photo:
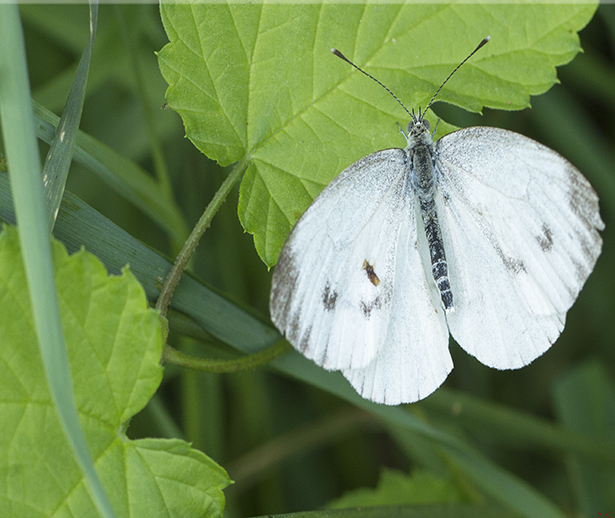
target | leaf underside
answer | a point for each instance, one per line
(260, 82)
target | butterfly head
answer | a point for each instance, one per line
(418, 130)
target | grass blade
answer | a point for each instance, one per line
(60, 155)
(24, 164)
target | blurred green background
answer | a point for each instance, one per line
(288, 446)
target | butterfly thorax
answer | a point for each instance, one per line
(420, 150)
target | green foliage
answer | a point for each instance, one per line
(259, 81)
(534, 442)
(114, 346)
(396, 488)
(585, 402)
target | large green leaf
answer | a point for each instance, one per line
(114, 346)
(259, 82)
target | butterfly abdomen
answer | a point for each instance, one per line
(424, 178)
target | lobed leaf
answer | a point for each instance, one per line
(260, 82)
(114, 346)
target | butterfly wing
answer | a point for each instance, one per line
(415, 359)
(331, 289)
(347, 263)
(520, 227)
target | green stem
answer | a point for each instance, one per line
(176, 357)
(166, 293)
(245, 363)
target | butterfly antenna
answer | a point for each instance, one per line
(340, 55)
(480, 45)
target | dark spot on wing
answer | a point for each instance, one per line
(371, 274)
(304, 341)
(329, 298)
(367, 308)
(513, 265)
(545, 241)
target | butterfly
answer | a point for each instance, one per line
(485, 235)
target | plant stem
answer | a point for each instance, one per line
(170, 283)
(253, 361)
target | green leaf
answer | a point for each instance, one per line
(397, 488)
(114, 346)
(260, 82)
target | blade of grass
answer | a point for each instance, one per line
(26, 183)
(124, 176)
(513, 428)
(160, 166)
(60, 155)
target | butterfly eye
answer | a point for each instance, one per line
(427, 125)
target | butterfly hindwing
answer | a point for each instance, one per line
(415, 359)
(520, 228)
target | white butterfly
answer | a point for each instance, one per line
(485, 234)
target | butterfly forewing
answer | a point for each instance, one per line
(333, 285)
(520, 227)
